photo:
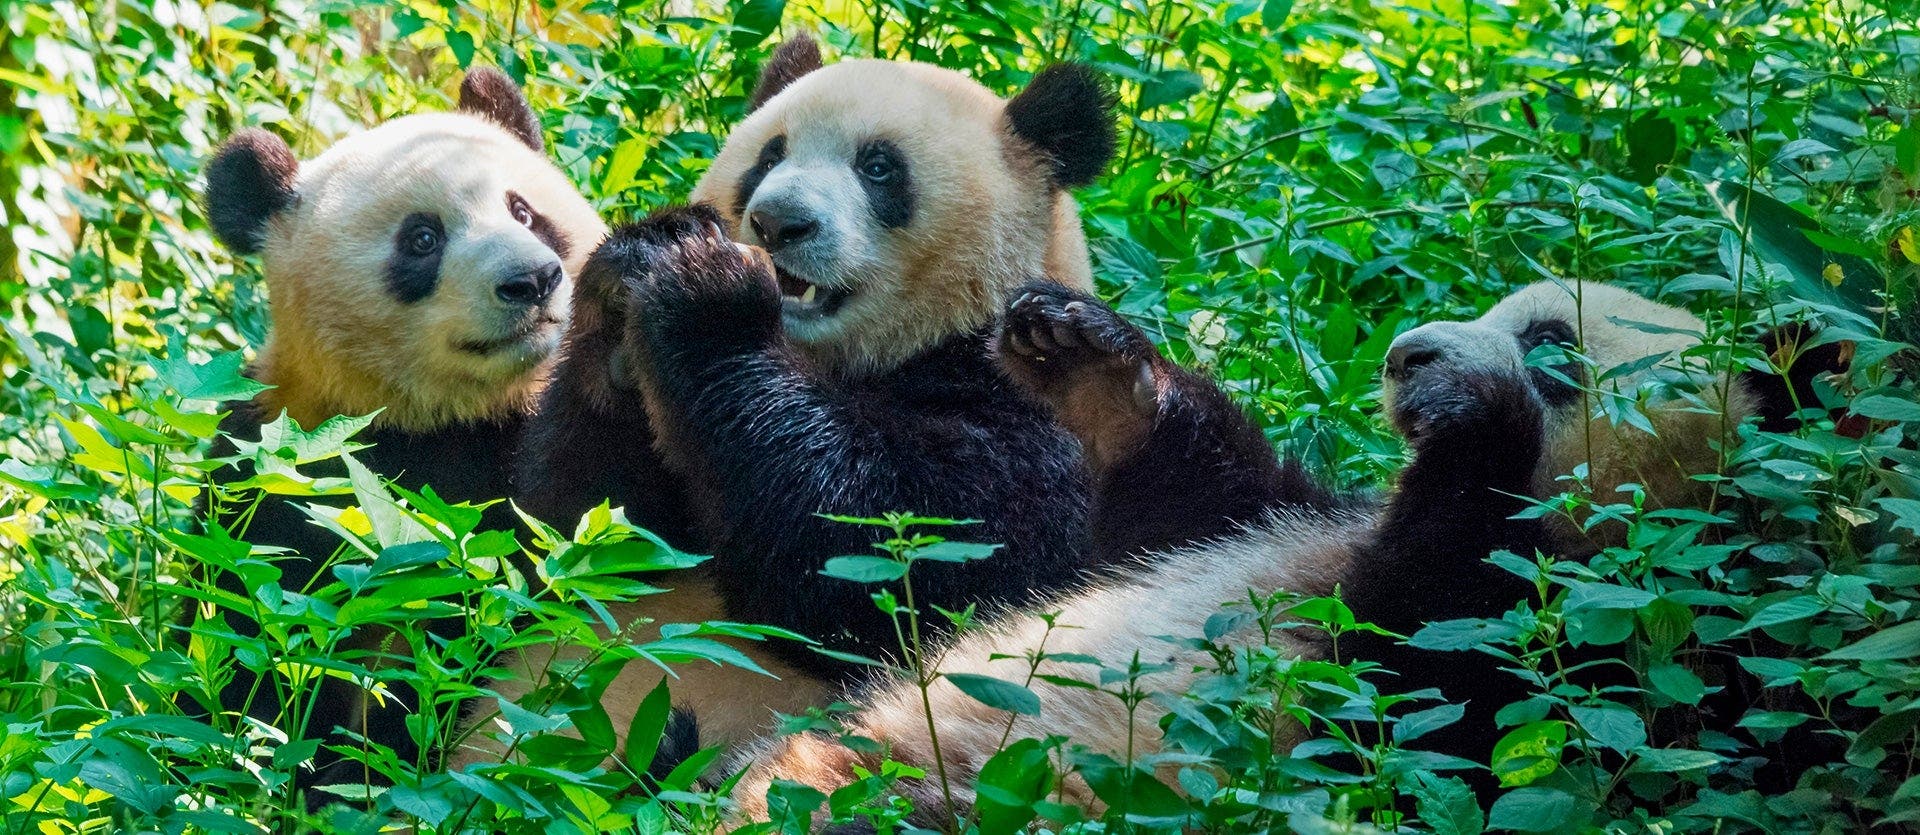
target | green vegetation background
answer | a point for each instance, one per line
(1297, 183)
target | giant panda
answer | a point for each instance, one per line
(848, 371)
(1186, 485)
(420, 270)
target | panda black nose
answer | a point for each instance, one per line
(777, 230)
(530, 287)
(1404, 358)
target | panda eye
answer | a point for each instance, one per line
(1546, 332)
(522, 213)
(878, 167)
(423, 241)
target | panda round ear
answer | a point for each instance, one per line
(796, 57)
(249, 180)
(1067, 114)
(491, 95)
(1777, 395)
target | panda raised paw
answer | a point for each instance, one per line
(698, 284)
(1438, 404)
(1057, 342)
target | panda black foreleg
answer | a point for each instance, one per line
(1173, 460)
(590, 440)
(1477, 437)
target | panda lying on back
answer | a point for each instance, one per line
(1486, 429)
(419, 269)
(849, 373)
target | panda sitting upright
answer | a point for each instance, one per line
(1186, 484)
(419, 270)
(847, 372)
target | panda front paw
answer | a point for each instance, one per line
(700, 287)
(1470, 410)
(1057, 342)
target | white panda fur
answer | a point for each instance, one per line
(1303, 550)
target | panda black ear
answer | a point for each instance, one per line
(249, 180)
(1067, 113)
(491, 95)
(797, 57)
(1775, 394)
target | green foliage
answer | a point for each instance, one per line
(1298, 182)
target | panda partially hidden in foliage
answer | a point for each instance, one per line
(421, 270)
(847, 371)
(1487, 430)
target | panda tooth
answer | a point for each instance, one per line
(807, 297)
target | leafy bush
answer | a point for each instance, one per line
(1298, 183)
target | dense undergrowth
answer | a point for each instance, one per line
(1298, 182)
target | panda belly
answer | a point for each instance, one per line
(732, 705)
(1172, 594)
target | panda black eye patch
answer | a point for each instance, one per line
(883, 174)
(1552, 388)
(413, 270)
(771, 154)
(542, 226)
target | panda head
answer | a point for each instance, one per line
(1640, 340)
(420, 267)
(901, 201)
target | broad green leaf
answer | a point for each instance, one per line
(1896, 642)
(995, 693)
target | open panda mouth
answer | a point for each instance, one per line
(803, 298)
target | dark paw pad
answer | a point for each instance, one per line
(1054, 339)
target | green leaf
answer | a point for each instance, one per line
(1462, 634)
(223, 377)
(1418, 724)
(996, 694)
(1886, 407)
(949, 551)
(754, 20)
(1673, 760)
(1532, 810)
(623, 166)
(1607, 596)
(1529, 752)
(1785, 611)
(1612, 726)
(1274, 13)
(865, 569)
(1010, 783)
(1676, 682)
(1446, 804)
(1902, 640)
(1169, 86)
(461, 44)
(1906, 512)
(649, 723)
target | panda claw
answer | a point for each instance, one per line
(1146, 392)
